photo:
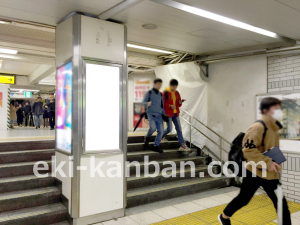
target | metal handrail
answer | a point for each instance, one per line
(206, 127)
(220, 145)
(204, 135)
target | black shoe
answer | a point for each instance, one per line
(146, 142)
(224, 221)
(157, 149)
(52, 129)
(36, 128)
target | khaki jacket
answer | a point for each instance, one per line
(13, 113)
(253, 148)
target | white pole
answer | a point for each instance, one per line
(279, 193)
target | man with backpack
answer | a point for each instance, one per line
(172, 102)
(154, 103)
(260, 137)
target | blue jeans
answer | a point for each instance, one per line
(38, 120)
(176, 121)
(155, 123)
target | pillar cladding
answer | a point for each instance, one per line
(4, 106)
(92, 77)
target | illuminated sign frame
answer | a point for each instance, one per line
(7, 79)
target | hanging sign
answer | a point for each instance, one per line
(7, 79)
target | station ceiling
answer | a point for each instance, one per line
(176, 30)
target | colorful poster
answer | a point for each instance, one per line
(140, 87)
(64, 108)
(1, 99)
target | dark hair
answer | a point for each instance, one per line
(267, 103)
(157, 80)
(173, 82)
(39, 97)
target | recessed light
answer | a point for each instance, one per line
(8, 51)
(149, 26)
(148, 49)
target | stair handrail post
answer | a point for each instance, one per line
(221, 154)
(190, 120)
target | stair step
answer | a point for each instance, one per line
(138, 182)
(168, 154)
(20, 169)
(26, 145)
(26, 156)
(197, 161)
(134, 147)
(11, 184)
(149, 194)
(62, 223)
(28, 198)
(140, 139)
(42, 215)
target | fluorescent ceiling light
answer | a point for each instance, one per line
(216, 17)
(25, 90)
(148, 49)
(8, 51)
(0, 63)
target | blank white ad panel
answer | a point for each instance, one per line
(102, 108)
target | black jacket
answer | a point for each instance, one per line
(37, 108)
(51, 106)
(27, 109)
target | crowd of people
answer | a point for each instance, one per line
(33, 114)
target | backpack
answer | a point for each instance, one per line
(236, 153)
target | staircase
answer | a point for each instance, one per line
(143, 190)
(25, 198)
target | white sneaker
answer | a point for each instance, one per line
(164, 140)
(184, 148)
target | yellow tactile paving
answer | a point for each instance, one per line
(260, 211)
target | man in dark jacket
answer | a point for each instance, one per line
(51, 111)
(38, 112)
(27, 110)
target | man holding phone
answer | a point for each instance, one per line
(172, 103)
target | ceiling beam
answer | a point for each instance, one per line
(40, 73)
(118, 8)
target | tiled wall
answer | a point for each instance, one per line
(284, 73)
(291, 177)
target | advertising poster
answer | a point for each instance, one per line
(140, 87)
(64, 108)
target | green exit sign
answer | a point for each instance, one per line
(27, 94)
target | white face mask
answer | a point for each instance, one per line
(278, 114)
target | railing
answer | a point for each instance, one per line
(219, 143)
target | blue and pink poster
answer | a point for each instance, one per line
(64, 108)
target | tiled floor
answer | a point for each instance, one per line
(26, 133)
(197, 208)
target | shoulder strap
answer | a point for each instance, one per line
(265, 132)
(149, 96)
(162, 99)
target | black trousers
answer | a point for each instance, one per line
(249, 187)
(26, 119)
(52, 119)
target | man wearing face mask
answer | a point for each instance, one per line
(254, 144)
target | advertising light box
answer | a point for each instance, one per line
(64, 108)
(102, 125)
